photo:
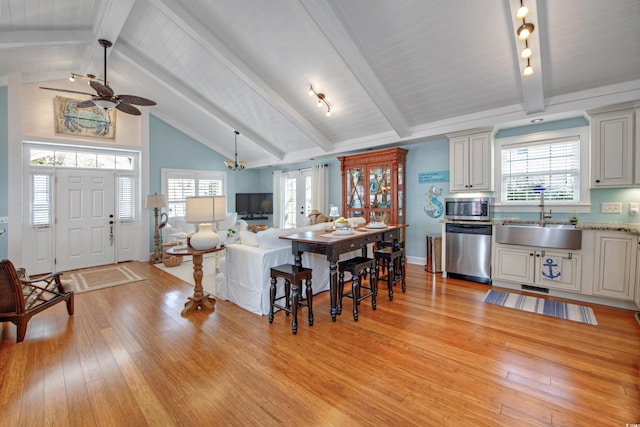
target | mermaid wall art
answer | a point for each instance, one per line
(434, 207)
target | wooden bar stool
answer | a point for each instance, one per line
(358, 267)
(394, 262)
(293, 277)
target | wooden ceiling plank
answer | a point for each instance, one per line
(180, 89)
(329, 23)
(243, 70)
(109, 22)
(40, 38)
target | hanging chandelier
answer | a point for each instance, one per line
(236, 165)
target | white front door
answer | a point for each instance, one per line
(85, 213)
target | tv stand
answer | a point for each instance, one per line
(254, 218)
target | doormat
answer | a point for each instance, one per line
(562, 310)
(92, 280)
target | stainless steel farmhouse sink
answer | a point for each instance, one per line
(558, 236)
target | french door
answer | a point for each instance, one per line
(297, 197)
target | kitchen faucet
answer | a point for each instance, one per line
(543, 214)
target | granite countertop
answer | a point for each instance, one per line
(601, 226)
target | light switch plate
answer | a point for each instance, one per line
(4, 219)
(612, 207)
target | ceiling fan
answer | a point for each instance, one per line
(105, 97)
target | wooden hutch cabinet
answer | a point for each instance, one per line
(373, 185)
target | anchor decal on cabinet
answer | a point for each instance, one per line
(551, 274)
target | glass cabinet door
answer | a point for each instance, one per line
(380, 195)
(400, 200)
(355, 196)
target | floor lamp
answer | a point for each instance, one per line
(156, 201)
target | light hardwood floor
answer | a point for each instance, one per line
(436, 355)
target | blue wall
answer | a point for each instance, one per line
(170, 148)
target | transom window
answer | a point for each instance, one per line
(42, 161)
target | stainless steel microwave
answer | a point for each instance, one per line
(470, 208)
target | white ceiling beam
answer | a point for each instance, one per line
(532, 86)
(24, 39)
(243, 70)
(108, 24)
(342, 40)
(179, 89)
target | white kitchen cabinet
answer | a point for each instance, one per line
(471, 160)
(614, 270)
(612, 142)
(533, 266)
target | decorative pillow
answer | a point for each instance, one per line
(248, 238)
(270, 238)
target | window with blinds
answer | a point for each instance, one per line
(549, 166)
(182, 184)
(40, 199)
(126, 198)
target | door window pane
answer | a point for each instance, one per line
(40, 199)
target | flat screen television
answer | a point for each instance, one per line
(254, 203)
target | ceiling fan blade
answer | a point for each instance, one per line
(66, 90)
(101, 89)
(86, 104)
(135, 100)
(129, 109)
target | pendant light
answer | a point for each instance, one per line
(236, 165)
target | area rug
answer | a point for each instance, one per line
(92, 280)
(562, 310)
(184, 272)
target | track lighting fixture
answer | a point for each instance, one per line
(322, 100)
(528, 70)
(236, 165)
(88, 77)
(523, 32)
(526, 52)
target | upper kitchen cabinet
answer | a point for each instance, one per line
(471, 160)
(373, 185)
(613, 146)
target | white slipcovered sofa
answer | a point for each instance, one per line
(177, 228)
(244, 272)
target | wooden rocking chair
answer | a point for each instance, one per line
(20, 299)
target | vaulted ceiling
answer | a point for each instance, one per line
(394, 71)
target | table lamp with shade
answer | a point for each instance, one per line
(156, 202)
(334, 213)
(203, 211)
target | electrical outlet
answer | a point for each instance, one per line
(634, 208)
(4, 219)
(612, 208)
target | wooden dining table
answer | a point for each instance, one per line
(333, 244)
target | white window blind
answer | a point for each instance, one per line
(41, 199)
(183, 184)
(126, 200)
(549, 166)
